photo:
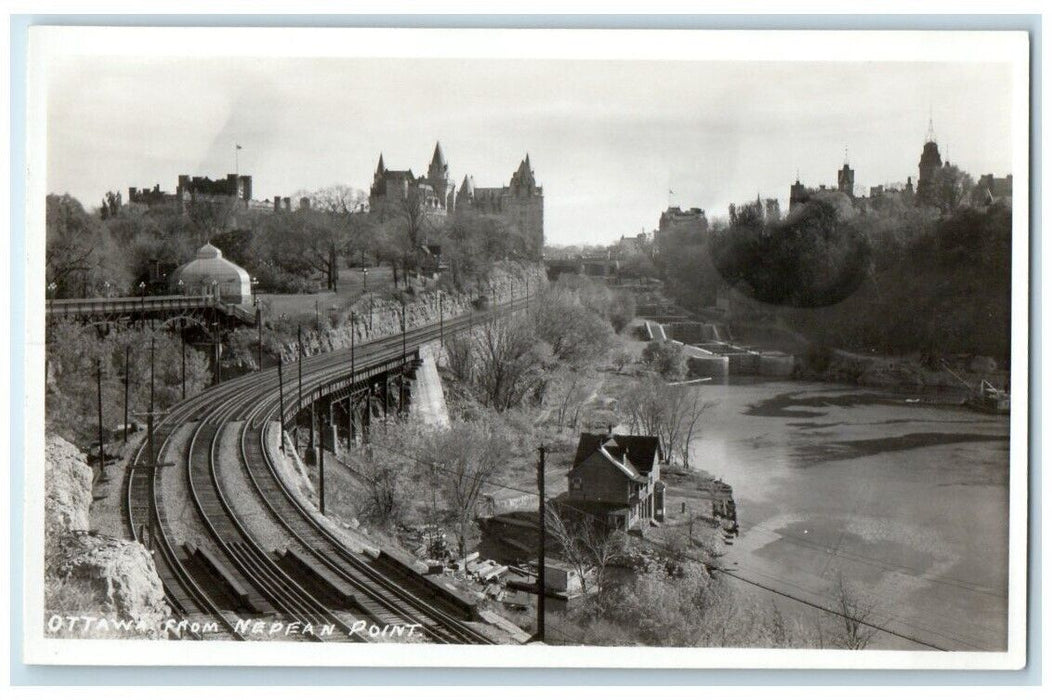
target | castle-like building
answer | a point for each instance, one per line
(234, 190)
(519, 203)
(988, 189)
(845, 179)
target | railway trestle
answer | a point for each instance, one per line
(343, 410)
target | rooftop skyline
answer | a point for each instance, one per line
(607, 140)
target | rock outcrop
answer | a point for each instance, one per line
(376, 317)
(87, 575)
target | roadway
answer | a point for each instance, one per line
(227, 469)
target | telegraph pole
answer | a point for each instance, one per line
(182, 340)
(149, 416)
(281, 403)
(541, 584)
(321, 462)
(403, 332)
(98, 386)
(259, 325)
(127, 352)
(299, 405)
(401, 372)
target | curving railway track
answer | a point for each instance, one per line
(315, 578)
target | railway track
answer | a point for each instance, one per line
(314, 578)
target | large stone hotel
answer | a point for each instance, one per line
(520, 203)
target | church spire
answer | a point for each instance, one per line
(930, 138)
(380, 165)
(439, 158)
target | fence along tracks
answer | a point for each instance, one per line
(234, 574)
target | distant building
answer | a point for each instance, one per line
(617, 478)
(213, 275)
(929, 164)
(628, 246)
(762, 210)
(801, 194)
(990, 190)
(234, 191)
(690, 221)
(519, 204)
(674, 217)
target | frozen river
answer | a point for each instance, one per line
(907, 502)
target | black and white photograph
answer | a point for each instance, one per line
(479, 347)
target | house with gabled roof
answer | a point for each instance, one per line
(617, 478)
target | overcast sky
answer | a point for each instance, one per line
(607, 140)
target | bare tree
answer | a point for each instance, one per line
(856, 616)
(587, 545)
(466, 458)
(576, 389)
(671, 413)
(951, 188)
(692, 409)
(508, 362)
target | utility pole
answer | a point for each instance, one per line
(149, 416)
(182, 340)
(403, 332)
(321, 462)
(441, 322)
(216, 352)
(401, 373)
(98, 386)
(259, 325)
(541, 584)
(127, 352)
(299, 405)
(281, 402)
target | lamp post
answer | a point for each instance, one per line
(51, 294)
(255, 297)
(106, 289)
(365, 280)
(182, 288)
(441, 322)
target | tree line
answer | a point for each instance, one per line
(894, 279)
(117, 247)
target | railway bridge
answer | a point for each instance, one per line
(209, 492)
(204, 310)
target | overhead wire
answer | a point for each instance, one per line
(722, 570)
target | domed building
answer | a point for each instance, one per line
(210, 274)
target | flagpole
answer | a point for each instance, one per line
(237, 168)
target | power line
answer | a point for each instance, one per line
(883, 564)
(709, 565)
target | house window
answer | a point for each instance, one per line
(575, 483)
